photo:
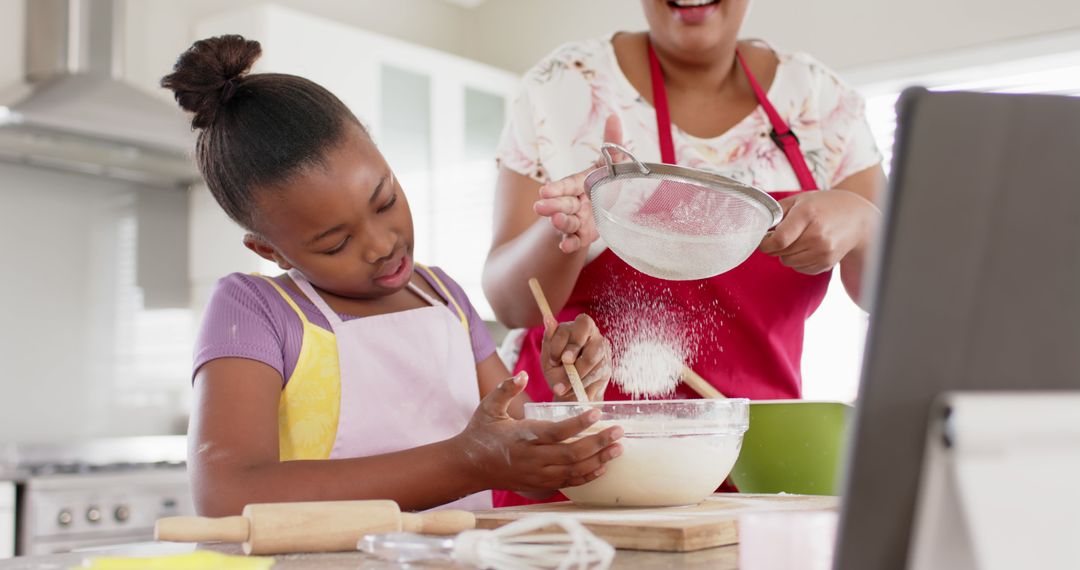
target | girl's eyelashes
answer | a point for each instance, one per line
(337, 248)
(389, 204)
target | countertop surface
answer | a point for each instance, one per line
(724, 558)
(763, 532)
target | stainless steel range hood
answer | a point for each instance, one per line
(76, 113)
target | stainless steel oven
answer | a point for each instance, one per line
(97, 493)
(59, 513)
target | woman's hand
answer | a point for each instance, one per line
(578, 343)
(566, 203)
(533, 455)
(820, 228)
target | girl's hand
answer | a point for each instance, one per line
(581, 344)
(530, 455)
(566, 203)
(820, 228)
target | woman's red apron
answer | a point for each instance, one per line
(749, 321)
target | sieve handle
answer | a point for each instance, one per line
(606, 149)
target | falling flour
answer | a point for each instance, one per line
(649, 367)
(652, 336)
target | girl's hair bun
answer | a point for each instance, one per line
(210, 74)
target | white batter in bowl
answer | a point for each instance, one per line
(675, 452)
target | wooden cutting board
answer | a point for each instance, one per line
(669, 529)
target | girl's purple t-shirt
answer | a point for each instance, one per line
(247, 318)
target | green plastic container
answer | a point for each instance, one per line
(793, 446)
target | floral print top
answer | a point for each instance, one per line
(557, 122)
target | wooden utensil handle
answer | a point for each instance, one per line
(571, 371)
(202, 529)
(448, 522)
(700, 385)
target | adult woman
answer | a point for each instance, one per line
(687, 92)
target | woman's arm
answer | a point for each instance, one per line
(870, 185)
(525, 245)
(824, 228)
(234, 456)
(541, 231)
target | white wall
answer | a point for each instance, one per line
(157, 31)
(75, 361)
(11, 42)
(514, 34)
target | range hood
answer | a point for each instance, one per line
(76, 113)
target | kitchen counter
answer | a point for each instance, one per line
(724, 558)
(13, 475)
(767, 524)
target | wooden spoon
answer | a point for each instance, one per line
(571, 371)
(700, 385)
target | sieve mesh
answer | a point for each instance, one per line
(677, 223)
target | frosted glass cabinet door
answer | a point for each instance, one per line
(484, 117)
(7, 519)
(405, 141)
(464, 200)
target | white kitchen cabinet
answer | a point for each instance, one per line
(435, 116)
(7, 519)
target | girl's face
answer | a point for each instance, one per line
(345, 225)
(693, 30)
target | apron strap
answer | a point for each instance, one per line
(288, 298)
(331, 315)
(423, 296)
(446, 294)
(660, 103)
(781, 133)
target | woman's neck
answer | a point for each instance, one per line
(710, 72)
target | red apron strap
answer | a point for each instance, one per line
(663, 118)
(781, 134)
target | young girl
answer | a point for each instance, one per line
(358, 374)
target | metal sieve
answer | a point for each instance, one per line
(677, 223)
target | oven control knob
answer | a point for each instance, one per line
(65, 518)
(93, 514)
(122, 513)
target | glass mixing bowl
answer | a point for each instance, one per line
(675, 452)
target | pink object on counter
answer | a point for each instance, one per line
(782, 541)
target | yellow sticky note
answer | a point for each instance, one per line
(191, 561)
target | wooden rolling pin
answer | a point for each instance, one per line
(331, 526)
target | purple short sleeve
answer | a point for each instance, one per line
(239, 322)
